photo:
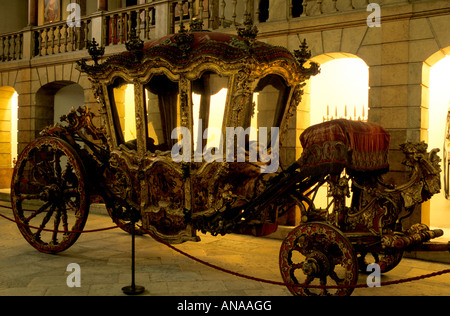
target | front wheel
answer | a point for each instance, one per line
(48, 194)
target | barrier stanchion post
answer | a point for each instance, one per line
(133, 289)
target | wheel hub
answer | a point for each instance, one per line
(52, 193)
(316, 264)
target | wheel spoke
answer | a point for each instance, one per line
(45, 221)
(37, 212)
(56, 226)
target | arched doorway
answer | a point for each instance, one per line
(8, 134)
(341, 90)
(54, 100)
(68, 97)
(439, 105)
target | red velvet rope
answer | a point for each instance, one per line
(156, 238)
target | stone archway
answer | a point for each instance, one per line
(303, 118)
(341, 90)
(8, 133)
(53, 99)
(436, 101)
(304, 108)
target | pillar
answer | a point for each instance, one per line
(32, 12)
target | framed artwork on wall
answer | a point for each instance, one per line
(52, 11)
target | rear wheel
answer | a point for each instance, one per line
(48, 193)
(317, 254)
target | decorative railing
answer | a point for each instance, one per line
(11, 46)
(115, 27)
(118, 24)
(57, 38)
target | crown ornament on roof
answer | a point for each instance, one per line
(302, 56)
(249, 32)
(95, 51)
(196, 25)
(135, 45)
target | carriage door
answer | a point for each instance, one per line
(163, 183)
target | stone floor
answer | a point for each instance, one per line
(104, 261)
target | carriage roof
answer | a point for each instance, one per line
(246, 66)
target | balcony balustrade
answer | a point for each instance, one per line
(159, 18)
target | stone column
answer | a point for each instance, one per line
(32, 12)
(162, 28)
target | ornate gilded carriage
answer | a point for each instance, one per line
(163, 159)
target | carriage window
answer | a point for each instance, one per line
(161, 97)
(122, 96)
(269, 96)
(209, 98)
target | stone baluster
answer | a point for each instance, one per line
(129, 21)
(222, 16)
(191, 10)
(201, 8)
(122, 28)
(138, 24)
(20, 46)
(113, 30)
(11, 47)
(86, 33)
(52, 40)
(319, 5)
(305, 5)
(73, 39)
(40, 42)
(233, 17)
(211, 14)
(2, 48)
(46, 38)
(66, 38)
(147, 23)
(58, 38)
(334, 7)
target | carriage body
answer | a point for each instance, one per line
(177, 162)
(154, 159)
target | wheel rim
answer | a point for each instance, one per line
(48, 195)
(318, 254)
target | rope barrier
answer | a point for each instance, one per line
(241, 275)
(363, 285)
(60, 231)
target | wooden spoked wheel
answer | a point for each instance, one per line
(48, 194)
(318, 254)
